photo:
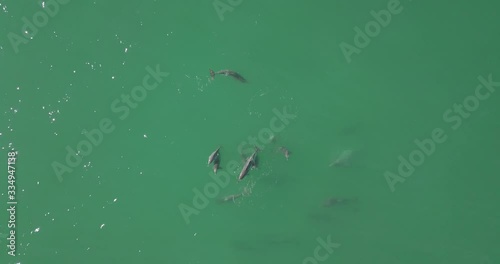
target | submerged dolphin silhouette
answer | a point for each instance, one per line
(233, 74)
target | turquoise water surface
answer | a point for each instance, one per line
(111, 113)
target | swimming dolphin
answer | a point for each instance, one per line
(343, 160)
(250, 161)
(285, 151)
(233, 197)
(216, 164)
(212, 156)
(233, 74)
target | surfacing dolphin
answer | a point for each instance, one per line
(233, 74)
(250, 161)
(212, 156)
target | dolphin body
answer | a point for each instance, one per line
(343, 160)
(285, 152)
(212, 156)
(233, 74)
(233, 197)
(216, 164)
(250, 161)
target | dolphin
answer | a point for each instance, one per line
(343, 160)
(212, 156)
(216, 164)
(250, 161)
(233, 74)
(285, 151)
(233, 197)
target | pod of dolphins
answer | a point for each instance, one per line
(251, 161)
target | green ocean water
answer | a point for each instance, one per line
(123, 202)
